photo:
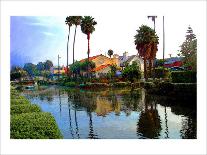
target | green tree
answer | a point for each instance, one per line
(30, 68)
(87, 27)
(146, 41)
(132, 72)
(189, 50)
(40, 66)
(76, 20)
(17, 73)
(48, 64)
(69, 22)
(110, 53)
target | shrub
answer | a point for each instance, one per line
(165, 87)
(24, 108)
(183, 77)
(34, 126)
(149, 85)
(161, 72)
(19, 101)
(121, 84)
(70, 84)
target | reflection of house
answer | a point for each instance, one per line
(105, 106)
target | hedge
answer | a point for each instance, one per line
(183, 77)
(34, 126)
(162, 72)
(19, 101)
(120, 84)
(24, 108)
(70, 84)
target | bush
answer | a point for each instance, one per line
(121, 84)
(34, 126)
(70, 84)
(161, 72)
(165, 87)
(93, 85)
(24, 108)
(19, 101)
(149, 85)
(183, 77)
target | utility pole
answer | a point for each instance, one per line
(58, 67)
(153, 19)
(163, 40)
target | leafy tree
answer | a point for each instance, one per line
(87, 27)
(189, 50)
(69, 22)
(17, 73)
(30, 69)
(110, 53)
(40, 66)
(48, 64)
(146, 41)
(132, 72)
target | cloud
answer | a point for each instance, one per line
(48, 33)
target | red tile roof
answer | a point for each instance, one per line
(101, 67)
(90, 58)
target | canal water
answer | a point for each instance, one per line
(116, 114)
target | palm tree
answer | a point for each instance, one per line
(76, 20)
(146, 41)
(69, 22)
(110, 53)
(87, 27)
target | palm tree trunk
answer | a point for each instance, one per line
(88, 37)
(145, 69)
(74, 44)
(150, 68)
(67, 50)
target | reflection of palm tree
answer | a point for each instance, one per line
(149, 122)
(166, 130)
(76, 122)
(188, 130)
(91, 134)
(60, 102)
(70, 121)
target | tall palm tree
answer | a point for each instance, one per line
(76, 21)
(69, 22)
(87, 27)
(146, 41)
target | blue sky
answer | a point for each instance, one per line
(35, 39)
(39, 38)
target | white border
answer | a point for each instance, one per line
(8, 146)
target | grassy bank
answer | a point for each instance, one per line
(29, 122)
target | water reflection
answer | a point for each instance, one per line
(149, 124)
(116, 113)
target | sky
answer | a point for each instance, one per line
(39, 38)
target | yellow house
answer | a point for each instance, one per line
(103, 63)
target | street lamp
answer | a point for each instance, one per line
(163, 40)
(153, 19)
(58, 68)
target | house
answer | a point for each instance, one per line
(102, 63)
(173, 62)
(125, 59)
(55, 71)
(100, 60)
